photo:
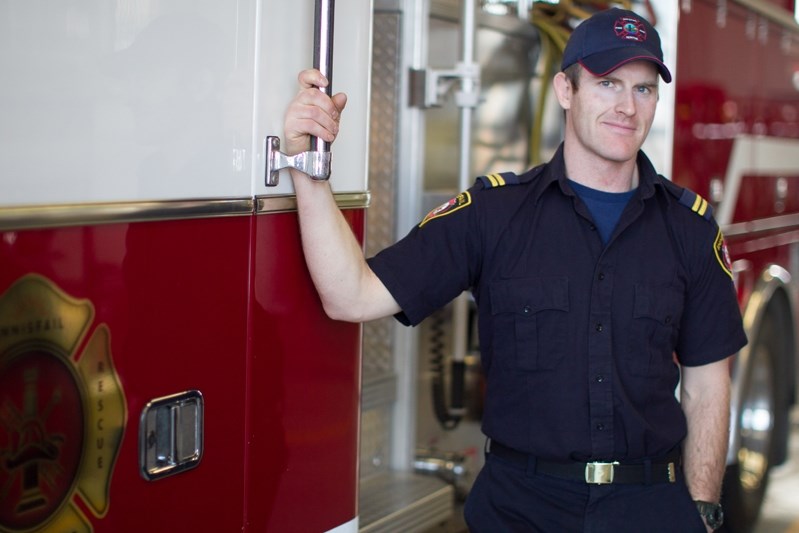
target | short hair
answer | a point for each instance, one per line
(573, 73)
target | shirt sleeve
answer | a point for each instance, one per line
(711, 327)
(435, 262)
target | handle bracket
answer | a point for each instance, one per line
(315, 164)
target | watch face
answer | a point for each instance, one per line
(715, 517)
(712, 513)
(718, 517)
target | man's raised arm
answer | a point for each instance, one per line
(348, 288)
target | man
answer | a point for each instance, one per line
(591, 274)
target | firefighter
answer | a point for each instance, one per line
(600, 287)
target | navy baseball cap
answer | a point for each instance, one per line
(611, 38)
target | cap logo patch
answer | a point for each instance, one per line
(630, 29)
(459, 202)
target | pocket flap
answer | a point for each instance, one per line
(529, 295)
(662, 304)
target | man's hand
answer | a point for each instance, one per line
(312, 113)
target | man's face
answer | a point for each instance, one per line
(609, 116)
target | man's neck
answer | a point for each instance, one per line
(601, 174)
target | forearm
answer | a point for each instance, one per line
(705, 398)
(349, 290)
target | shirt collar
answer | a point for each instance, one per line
(555, 171)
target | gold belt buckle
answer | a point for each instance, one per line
(599, 473)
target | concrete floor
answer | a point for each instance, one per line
(780, 512)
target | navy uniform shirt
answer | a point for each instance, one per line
(578, 339)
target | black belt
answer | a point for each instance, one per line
(662, 470)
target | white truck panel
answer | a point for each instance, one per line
(290, 29)
(126, 101)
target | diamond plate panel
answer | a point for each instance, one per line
(378, 335)
(375, 445)
(382, 169)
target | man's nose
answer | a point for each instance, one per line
(626, 102)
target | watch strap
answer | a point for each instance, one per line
(711, 512)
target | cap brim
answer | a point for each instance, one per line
(606, 62)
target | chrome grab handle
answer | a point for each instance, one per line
(315, 162)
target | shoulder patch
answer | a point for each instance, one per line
(722, 254)
(464, 199)
(499, 180)
(696, 203)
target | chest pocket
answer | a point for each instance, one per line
(530, 322)
(655, 327)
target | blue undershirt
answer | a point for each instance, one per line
(605, 207)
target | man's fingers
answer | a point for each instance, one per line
(312, 78)
(312, 112)
(340, 101)
(303, 127)
(305, 120)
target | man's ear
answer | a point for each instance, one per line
(563, 90)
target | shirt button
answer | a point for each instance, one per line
(600, 427)
(599, 327)
(526, 310)
(601, 276)
(600, 379)
(668, 319)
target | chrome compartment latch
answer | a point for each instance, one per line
(171, 435)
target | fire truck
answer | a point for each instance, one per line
(165, 363)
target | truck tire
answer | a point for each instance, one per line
(746, 481)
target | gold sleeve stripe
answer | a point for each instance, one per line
(703, 208)
(696, 203)
(496, 180)
(700, 206)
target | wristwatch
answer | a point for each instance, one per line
(711, 512)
